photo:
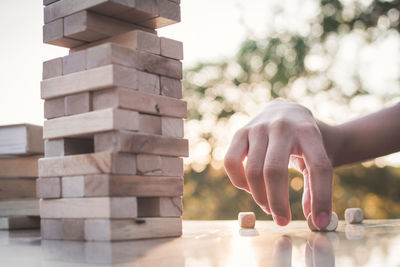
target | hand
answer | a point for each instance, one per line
(283, 132)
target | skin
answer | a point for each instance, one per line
(286, 132)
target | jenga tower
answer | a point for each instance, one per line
(114, 130)
(21, 145)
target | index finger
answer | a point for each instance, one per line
(234, 158)
(320, 174)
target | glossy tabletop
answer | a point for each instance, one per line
(218, 243)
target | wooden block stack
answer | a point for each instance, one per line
(114, 130)
(20, 148)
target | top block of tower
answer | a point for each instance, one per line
(72, 23)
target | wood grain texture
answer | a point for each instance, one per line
(17, 188)
(172, 127)
(111, 8)
(171, 48)
(169, 13)
(132, 185)
(52, 68)
(158, 165)
(19, 207)
(103, 207)
(90, 123)
(84, 81)
(73, 186)
(97, 163)
(54, 108)
(62, 229)
(171, 87)
(118, 230)
(53, 33)
(110, 53)
(19, 167)
(49, 187)
(90, 27)
(139, 101)
(19, 222)
(73, 63)
(124, 141)
(77, 103)
(136, 40)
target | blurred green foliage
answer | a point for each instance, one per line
(218, 93)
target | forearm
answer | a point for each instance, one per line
(372, 136)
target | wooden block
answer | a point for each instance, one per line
(171, 48)
(77, 103)
(131, 185)
(171, 87)
(73, 186)
(19, 167)
(19, 207)
(159, 165)
(101, 207)
(333, 223)
(247, 219)
(21, 139)
(353, 215)
(48, 187)
(54, 108)
(89, 26)
(17, 188)
(62, 229)
(136, 40)
(159, 207)
(51, 229)
(110, 53)
(48, 2)
(169, 13)
(52, 68)
(150, 123)
(74, 62)
(124, 141)
(90, 123)
(172, 127)
(118, 230)
(97, 163)
(19, 222)
(84, 81)
(149, 10)
(112, 8)
(139, 101)
(68, 146)
(53, 33)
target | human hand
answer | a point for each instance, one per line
(282, 132)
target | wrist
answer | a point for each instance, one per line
(333, 138)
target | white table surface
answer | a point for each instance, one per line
(218, 243)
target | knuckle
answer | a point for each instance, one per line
(281, 124)
(277, 205)
(307, 128)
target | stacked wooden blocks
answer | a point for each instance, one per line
(20, 148)
(114, 130)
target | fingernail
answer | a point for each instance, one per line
(322, 220)
(280, 220)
